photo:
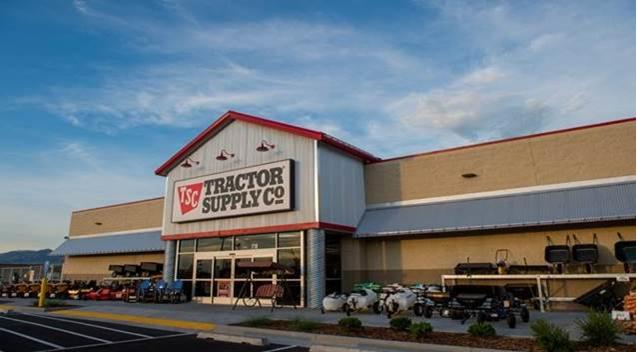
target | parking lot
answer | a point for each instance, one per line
(43, 332)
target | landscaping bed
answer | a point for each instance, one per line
(442, 338)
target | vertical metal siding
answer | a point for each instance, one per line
(242, 138)
(341, 187)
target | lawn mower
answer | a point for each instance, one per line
(435, 301)
(103, 293)
(485, 303)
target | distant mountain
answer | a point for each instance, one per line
(29, 257)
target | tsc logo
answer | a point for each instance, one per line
(189, 196)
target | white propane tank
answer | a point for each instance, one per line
(362, 300)
(334, 302)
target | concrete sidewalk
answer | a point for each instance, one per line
(224, 315)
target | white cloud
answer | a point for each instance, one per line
(523, 68)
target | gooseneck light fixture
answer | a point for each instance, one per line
(265, 146)
(223, 155)
(189, 162)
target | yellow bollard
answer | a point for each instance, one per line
(43, 289)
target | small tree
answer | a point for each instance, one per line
(599, 329)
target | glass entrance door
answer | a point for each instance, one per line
(219, 280)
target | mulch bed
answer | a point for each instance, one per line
(443, 338)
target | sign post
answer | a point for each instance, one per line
(44, 284)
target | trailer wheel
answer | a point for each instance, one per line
(511, 320)
(377, 308)
(419, 309)
(429, 311)
(524, 314)
(481, 317)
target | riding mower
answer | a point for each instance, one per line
(484, 303)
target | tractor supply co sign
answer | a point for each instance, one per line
(259, 189)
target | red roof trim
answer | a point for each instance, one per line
(583, 127)
(257, 230)
(232, 115)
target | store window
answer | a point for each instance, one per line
(186, 246)
(291, 258)
(288, 240)
(214, 244)
(258, 241)
(184, 267)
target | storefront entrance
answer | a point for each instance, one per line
(219, 280)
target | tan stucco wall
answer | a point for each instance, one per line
(424, 259)
(592, 153)
(130, 216)
(96, 267)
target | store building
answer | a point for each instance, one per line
(248, 188)
(128, 233)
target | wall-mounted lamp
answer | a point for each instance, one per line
(265, 146)
(188, 163)
(469, 175)
(223, 155)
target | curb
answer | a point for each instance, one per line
(254, 341)
(340, 343)
(321, 348)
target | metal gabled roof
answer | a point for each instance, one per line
(146, 241)
(563, 206)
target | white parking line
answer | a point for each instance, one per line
(31, 338)
(282, 348)
(57, 329)
(89, 325)
(118, 342)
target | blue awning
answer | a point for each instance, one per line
(563, 206)
(149, 241)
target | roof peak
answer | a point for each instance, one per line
(231, 115)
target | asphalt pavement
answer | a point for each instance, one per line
(43, 332)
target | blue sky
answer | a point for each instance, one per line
(95, 94)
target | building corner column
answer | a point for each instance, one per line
(170, 253)
(315, 267)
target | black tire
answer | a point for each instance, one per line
(322, 310)
(376, 308)
(344, 307)
(481, 317)
(429, 311)
(348, 310)
(419, 309)
(525, 315)
(511, 321)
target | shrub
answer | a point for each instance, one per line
(420, 329)
(550, 337)
(258, 321)
(350, 323)
(481, 329)
(400, 323)
(301, 324)
(599, 329)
